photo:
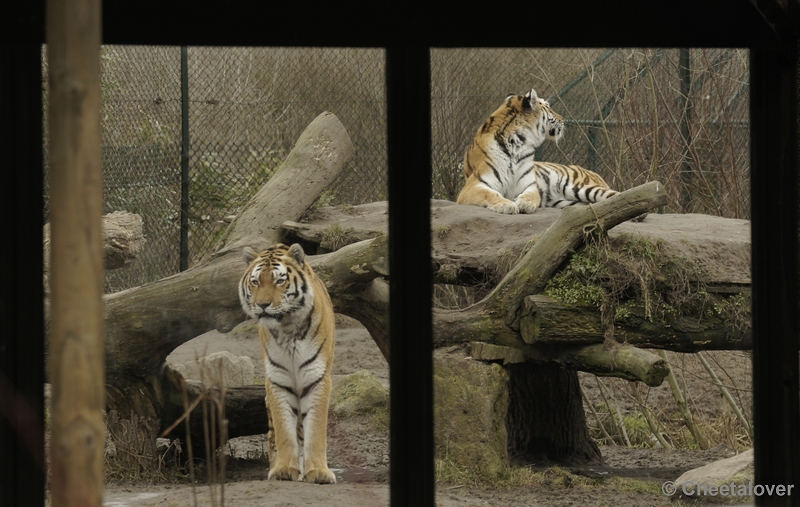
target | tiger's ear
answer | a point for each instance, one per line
(530, 99)
(297, 253)
(248, 254)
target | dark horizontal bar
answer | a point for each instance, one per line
(619, 23)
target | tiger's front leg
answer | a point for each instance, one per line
(314, 410)
(529, 200)
(477, 193)
(286, 465)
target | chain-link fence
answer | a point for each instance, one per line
(633, 115)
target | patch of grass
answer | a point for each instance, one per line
(335, 236)
(326, 198)
(563, 289)
(452, 297)
(634, 273)
(555, 477)
(448, 273)
(246, 329)
(360, 393)
(506, 259)
(449, 472)
(628, 485)
(638, 430)
(443, 231)
(734, 312)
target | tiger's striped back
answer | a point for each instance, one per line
(567, 185)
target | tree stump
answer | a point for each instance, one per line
(546, 421)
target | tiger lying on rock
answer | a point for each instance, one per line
(500, 168)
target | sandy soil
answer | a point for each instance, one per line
(359, 456)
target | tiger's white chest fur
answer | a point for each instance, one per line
(292, 356)
(513, 170)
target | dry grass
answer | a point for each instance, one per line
(720, 420)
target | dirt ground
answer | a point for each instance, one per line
(359, 456)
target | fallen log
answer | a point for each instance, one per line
(603, 360)
(552, 322)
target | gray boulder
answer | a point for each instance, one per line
(218, 369)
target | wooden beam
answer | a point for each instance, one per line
(77, 372)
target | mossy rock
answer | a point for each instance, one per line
(359, 393)
(471, 403)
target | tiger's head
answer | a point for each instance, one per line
(525, 120)
(275, 284)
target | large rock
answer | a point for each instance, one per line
(723, 480)
(471, 403)
(359, 393)
(218, 369)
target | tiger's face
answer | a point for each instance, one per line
(531, 116)
(274, 284)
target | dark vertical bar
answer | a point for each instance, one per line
(184, 158)
(408, 95)
(21, 263)
(776, 402)
(591, 138)
(685, 73)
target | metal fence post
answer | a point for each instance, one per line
(184, 264)
(685, 73)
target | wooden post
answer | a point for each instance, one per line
(76, 268)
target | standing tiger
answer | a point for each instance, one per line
(296, 327)
(500, 168)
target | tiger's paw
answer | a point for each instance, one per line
(320, 476)
(525, 206)
(283, 473)
(505, 207)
